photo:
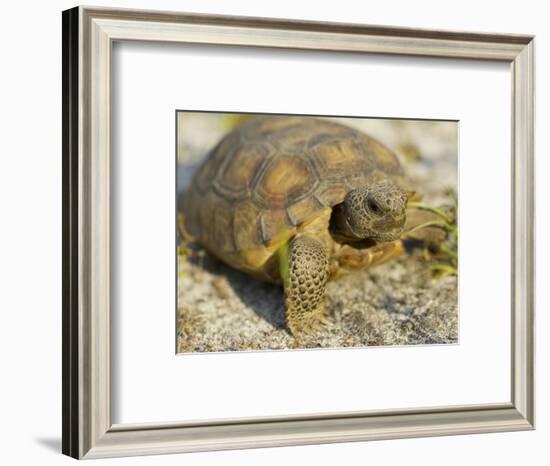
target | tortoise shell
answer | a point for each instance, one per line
(271, 176)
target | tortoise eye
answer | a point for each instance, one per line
(373, 206)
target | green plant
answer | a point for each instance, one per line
(443, 258)
(232, 120)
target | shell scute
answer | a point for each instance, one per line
(340, 159)
(210, 168)
(331, 194)
(223, 229)
(380, 155)
(246, 226)
(238, 171)
(303, 210)
(286, 180)
(273, 225)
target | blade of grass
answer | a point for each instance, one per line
(431, 223)
(429, 208)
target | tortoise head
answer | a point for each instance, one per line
(375, 212)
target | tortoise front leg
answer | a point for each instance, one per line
(348, 259)
(305, 283)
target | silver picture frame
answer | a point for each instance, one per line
(88, 37)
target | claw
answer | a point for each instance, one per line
(311, 327)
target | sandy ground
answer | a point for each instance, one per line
(221, 309)
(398, 303)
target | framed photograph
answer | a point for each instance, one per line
(311, 204)
(284, 232)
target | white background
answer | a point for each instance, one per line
(149, 83)
(30, 193)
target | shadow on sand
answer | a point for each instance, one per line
(265, 299)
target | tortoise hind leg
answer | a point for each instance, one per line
(305, 282)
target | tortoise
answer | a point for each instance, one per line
(298, 201)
